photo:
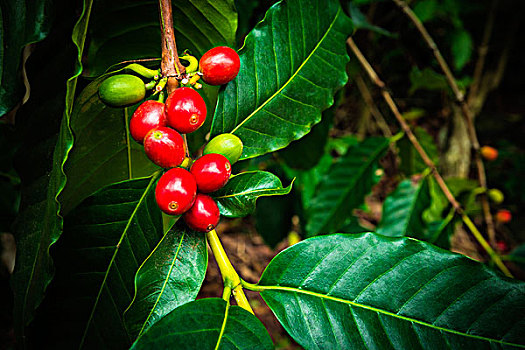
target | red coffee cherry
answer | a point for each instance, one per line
(219, 65)
(504, 216)
(489, 153)
(185, 110)
(176, 191)
(164, 147)
(147, 116)
(204, 215)
(212, 171)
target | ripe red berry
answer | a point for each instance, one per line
(489, 153)
(176, 191)
(147, 116)
(204, 215)
(219, 65)
(504, 216)
(211, 172)
(164, 147)
(185, 110)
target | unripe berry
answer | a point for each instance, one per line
(121, 90)
(176, 191)
(229, 145)
(164, 147)
(185, 110)
(147, 116)
(219, 65)
(489, 153)
(212, 171)
(204, 215)
(504, 216)
(496, 195)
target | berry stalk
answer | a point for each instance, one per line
(230, 277)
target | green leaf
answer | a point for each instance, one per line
(199, 25)
(291, 65)
(105, 240)
(104, 151)
(237, 198)
(461, 48)
(307, 152)
(209, 323)
(426, 10)
(360, 21)
(426, 79)
(21, 23)
(41, 159)
(171, 276)
(369, 291)
(403, 210)
(345, 186)
(411, 162)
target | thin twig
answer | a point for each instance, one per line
(369, 101)
(467, 113)
(439, 179)
(482, 53)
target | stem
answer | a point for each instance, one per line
(229, 276)
(467, 113)
(170, 65)
(439, 179)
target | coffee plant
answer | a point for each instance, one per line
(144, 128)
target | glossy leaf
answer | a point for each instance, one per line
(43, 125)
(206, 324)
(366, 291)
(105, 240)
(20, 24)
(199, 25)
(237, 198)
(171, 276)
(306, 152)
(403, 210)
(411, 162)
(104, 151)
(291, 65)
(345, 186)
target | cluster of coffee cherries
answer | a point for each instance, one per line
(183, 189)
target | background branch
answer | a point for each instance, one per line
(439, 179)
(467, 113)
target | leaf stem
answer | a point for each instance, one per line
(429, 163)
(230, 277)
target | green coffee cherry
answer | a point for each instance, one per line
(228, 145)
(496, 195)
(122, 90)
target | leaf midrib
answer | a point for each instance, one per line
(262, 288)
(306, 60)
(117, 248)
(168, 275)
